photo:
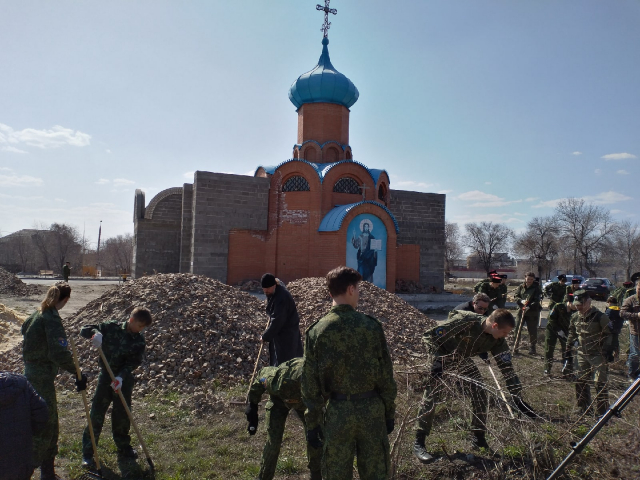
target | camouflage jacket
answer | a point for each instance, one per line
(529, 296)
(560, 319)
(124, 350)
(463, 336)
(555, 291)
(570, 290)
(592, 331)
(345, 352)
(630, 311)
(478, 286)
(45, 341)
(282, 382)
(497, 296)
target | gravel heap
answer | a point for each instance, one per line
(12, 285)
(403, 324)
(204, 332)
(10, 323)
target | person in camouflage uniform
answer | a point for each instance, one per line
(282, 383)
(571, 289)
(630, 311)
(557, 329)
(622, 293)
(494, 291)
(556, 291)
(450, 346)
(346, 360)
(590, 329)
(123, 346)
(528, 296)
(44, 350)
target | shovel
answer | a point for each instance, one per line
(126, 408)
(97, 475)
(255, 369)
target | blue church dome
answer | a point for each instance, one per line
(323, 84)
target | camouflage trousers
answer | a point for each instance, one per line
(120, 423)
(276, 417)
(438, 387)
(592, 369)
(45, 442)
(531, 320)
(551, 337)
(355, 428)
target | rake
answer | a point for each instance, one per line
(89, 475)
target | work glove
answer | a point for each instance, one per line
(81, 384)
(314, 437)
(436, 368)
(251, 412)
(116, 384)
(96, 340)
(485, 357)
(524, 407)
(561, 334)
(391, 424)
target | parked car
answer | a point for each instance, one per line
(569, 278)
(597, 287)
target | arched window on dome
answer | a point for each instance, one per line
(331, 155)
(296, 184)
(348, 155)
(310, 154)
(382, 193)
(347, 185)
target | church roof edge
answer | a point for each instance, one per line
(332, 221)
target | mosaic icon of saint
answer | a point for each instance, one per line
(367, 257)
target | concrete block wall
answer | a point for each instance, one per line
(186, 229)
(222, 202)
(421, 220)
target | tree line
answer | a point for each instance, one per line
(580, 238)
(48, 247)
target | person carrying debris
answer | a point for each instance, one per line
(283, 331)
(282, 383)
(528, 296)
(451, 346)
(22, 414)
(346, 361)
(589, 329)
(44, 350)
(556, 291)
(557, 329)
(123, 346)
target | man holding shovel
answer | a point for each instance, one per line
(123, 345)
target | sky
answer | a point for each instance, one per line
(506, 107)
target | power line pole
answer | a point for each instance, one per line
(98, 251)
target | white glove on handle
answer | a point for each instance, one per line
(117, 385)
(96, 340)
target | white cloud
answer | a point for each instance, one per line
(122, 182)
(597, 171)
(412, 184)
(488, 217)
(487, 183)
(615, 211)
(531, 199)
(618, 156)
(11, 149)
(20, 181)
(102, 181)
(56, 137)
(108, 151)
(21, 197)
(188, 175)
(548, 203)
(59, 200)
(485, 200)
(445, 192)
(520, 214)
(6, 169)
(576, 153)
(622, 172)
(606, 198)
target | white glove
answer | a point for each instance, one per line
(117, 385)
(96, 340)
(561, 334)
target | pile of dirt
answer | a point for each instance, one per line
(12, 285)
(203, 331)
(403, 324)
(10, 323)
(409, 286)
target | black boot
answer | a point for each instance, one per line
(478, 440)
(420, 451)
(532, 349)
(47, 470)
(315, 475)
(88, 461)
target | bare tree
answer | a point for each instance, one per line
(22, 249)
(452, 245)
(118, 253)
(66, 242)
(626, 244)
(486, 239)
(41, 241)
(539, 243)
(587, 228)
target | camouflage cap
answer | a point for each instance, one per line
(580, 296)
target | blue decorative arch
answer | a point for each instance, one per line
(332, 221)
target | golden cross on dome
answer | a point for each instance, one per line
(327, 24)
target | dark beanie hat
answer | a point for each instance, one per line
(268, 280)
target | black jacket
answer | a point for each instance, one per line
(22, 413)
(283, 332)
(466, 306)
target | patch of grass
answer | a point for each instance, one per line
(513, 451)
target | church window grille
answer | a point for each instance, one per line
(296, 184)
(347, 185)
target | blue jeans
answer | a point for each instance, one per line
(634, 355)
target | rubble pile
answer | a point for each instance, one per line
(204, 332)
(12, 285)
(403, 324)
(409, 286)
(10, 323)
